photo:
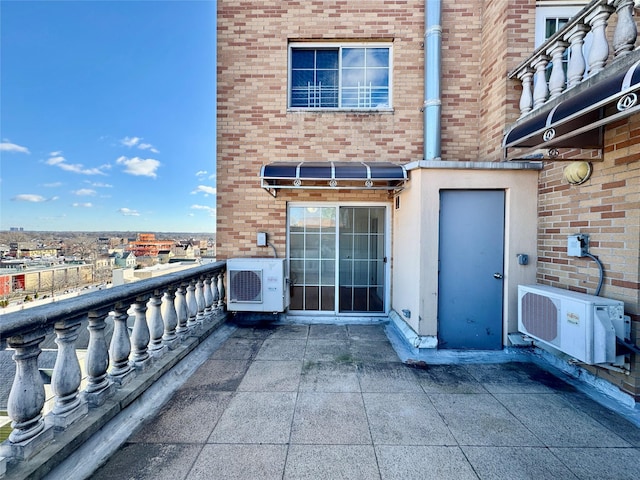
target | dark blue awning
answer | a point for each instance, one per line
(578, 120)
(333, 175)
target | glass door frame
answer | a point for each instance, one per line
(387, 256)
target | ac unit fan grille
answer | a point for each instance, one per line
(540, 316)
(245, 286)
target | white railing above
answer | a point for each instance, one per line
(538, 87)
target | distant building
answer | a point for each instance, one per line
(146, 244)
(125, 260)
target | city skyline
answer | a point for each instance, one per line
(107, 118)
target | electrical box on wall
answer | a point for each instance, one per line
(578, 245)
(262, 239)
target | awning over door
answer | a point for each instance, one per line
(333, 175)
(578, 121)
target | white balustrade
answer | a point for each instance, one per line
(537, 89)
(163, 312)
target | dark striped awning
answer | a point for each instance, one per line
(333, 175)
(578, 121)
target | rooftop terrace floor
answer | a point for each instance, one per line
(335, 401)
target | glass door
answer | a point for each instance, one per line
(337, 258)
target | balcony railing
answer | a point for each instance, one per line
(168, 312)
(539, 87)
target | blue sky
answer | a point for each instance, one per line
(107, 115)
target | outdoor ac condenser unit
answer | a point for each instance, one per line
(257, 285)
(580, 325)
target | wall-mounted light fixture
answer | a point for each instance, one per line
(577, 173)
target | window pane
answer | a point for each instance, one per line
(352, 77)
(377, 77)
(311, 272)
(328, 301)
(312, 298)
(302, 78)
(377, 57)
(328, 273)
(302, 58)
(328, 77)
(352, 57)
(296, 245)
(327, 59)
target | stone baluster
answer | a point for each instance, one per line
(99, 386)
(26, 398)
(66, 378)
(214, 292)
(156, 325)
(200, 300)
(170, 318)
(577, 64)
(182, 310)
(192, 304)
(624, 37)
(540, 89)
(208, 295)
(120, 347)
(557, 80)
(599, 51)
(140, 336)
(221, 291)
(526, 97)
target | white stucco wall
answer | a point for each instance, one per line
(416, 232)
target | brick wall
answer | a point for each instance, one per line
(607, 207)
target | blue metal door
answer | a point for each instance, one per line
(470, 285)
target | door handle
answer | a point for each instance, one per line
(497, 275)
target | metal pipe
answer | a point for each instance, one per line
(432, 76)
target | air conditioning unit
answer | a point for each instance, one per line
(257, 285)
(580, 325)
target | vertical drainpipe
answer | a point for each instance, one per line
(432, 72)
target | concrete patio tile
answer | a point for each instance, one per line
(328, 332)
(374, 333)
(516, 377)
(405, 419)
(329, 377)
(605, 416)
(318, 462)
(279, 349)
(446, 379)
(557, 424)
(239, 462)
(143, 461)
(521, 463)
(601, 463)
(479, 419)
(237, 349)
(221, 375)
(328, 351)
(388, 377)
(254, 333)
(188, 417)
(330, 418)
(291, 332)
(256, 417)
(272, 376)
(373, 351)
(423, 463)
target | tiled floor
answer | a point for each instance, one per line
(334, 401)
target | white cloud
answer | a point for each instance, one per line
(84, 192)
(130, 141)
(7, 146)
(210, 210)
(99, 184)
(205, 189)
(201, 173)
(85, 205)
(52, 185)
(137, 142)
(148, 146)
(33, 198)
(60, 162)
(139, 166)
(127, 212)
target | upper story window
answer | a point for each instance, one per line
(346, 76)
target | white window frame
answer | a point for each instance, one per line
(387, 251)
(338, 46)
